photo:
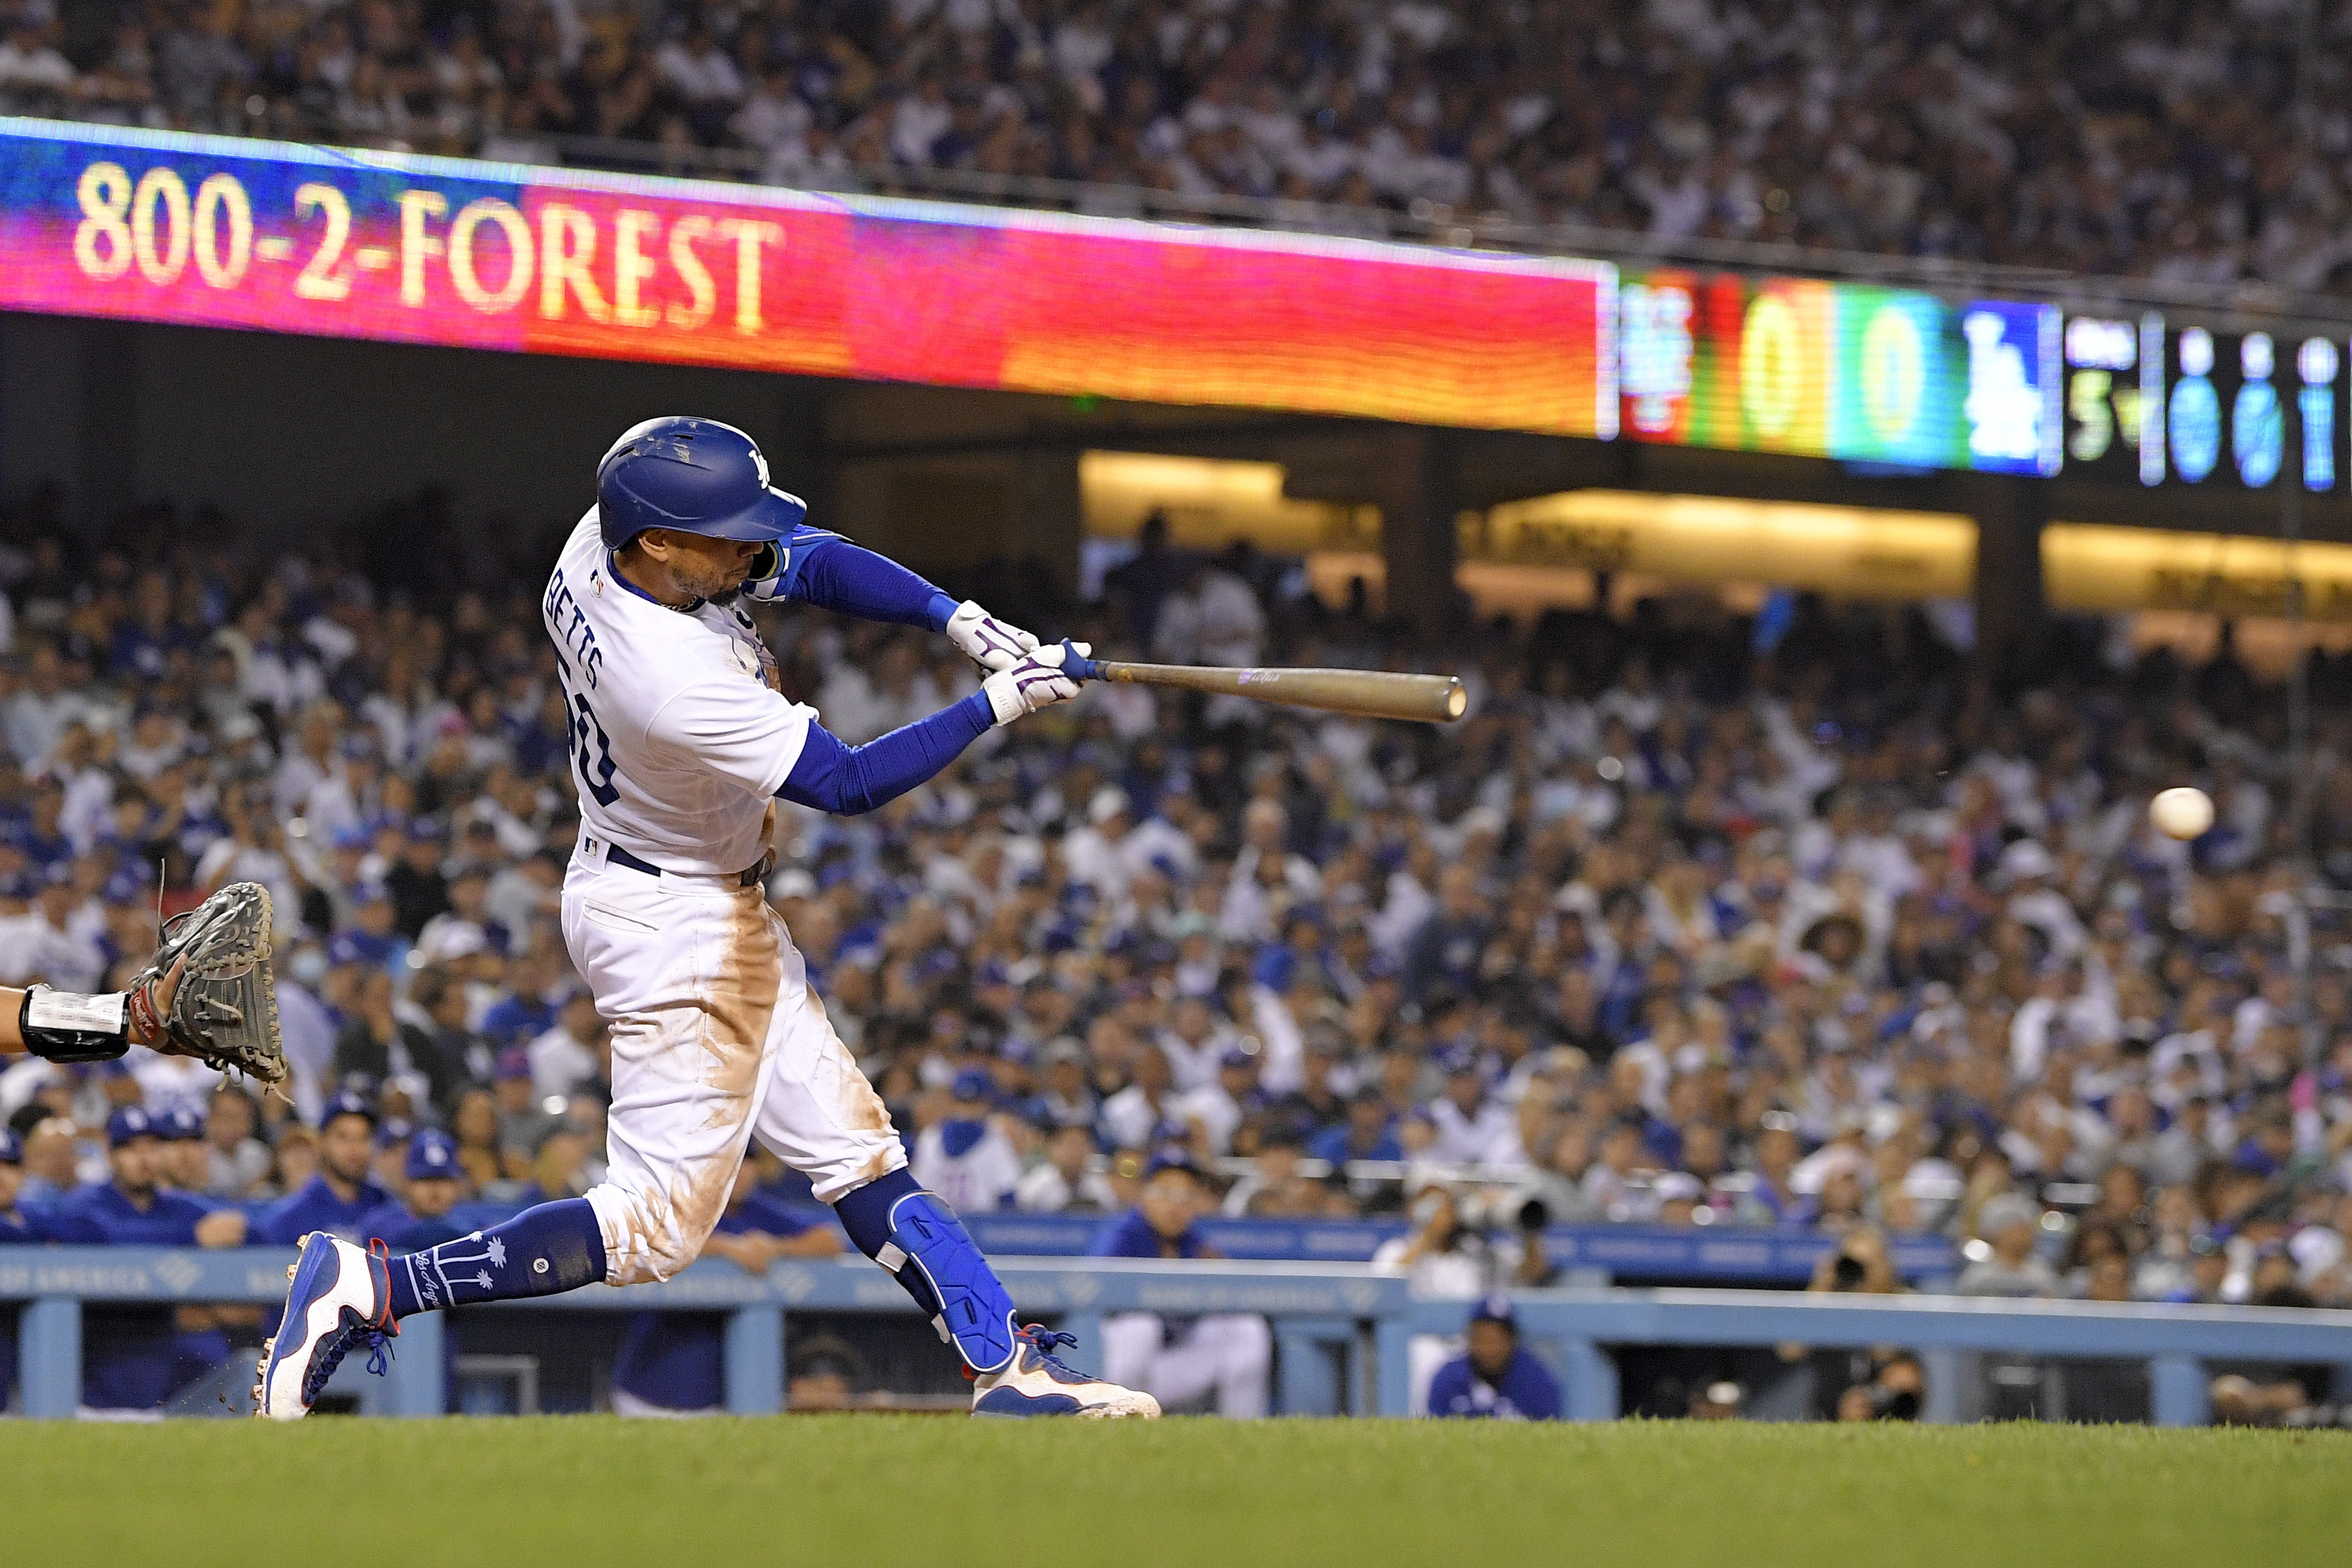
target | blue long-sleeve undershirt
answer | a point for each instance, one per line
(834, 574)
(846, 779)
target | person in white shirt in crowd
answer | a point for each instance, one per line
(1218, 1106)
(569, 1053)
(1195, 1040)
(34, 720)
(1139, 1114)
(1063, 1181)
(965, 1157)
(42, 944)
(1473, 1129)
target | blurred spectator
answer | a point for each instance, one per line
(340, 1196)
(1495, 1379)
(1223, 1359)
(2009, 1225)
(433, 1183)
(964, 1157)
(236, 1163)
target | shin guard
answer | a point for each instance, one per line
(934, 1259)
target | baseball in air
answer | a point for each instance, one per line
(2182, 812)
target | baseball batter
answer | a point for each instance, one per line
(680, 744)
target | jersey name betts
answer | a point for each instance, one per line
(677, 740)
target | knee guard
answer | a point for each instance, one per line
(934, 1259)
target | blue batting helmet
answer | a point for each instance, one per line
(697, 475)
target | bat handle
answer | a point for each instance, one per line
(1077, 664)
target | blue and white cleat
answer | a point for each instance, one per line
(341, 1297)
(1035, 1383)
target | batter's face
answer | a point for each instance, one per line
(678, 568)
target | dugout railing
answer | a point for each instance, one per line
(1574, 1329)
(1343, 1331)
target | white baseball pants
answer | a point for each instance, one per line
(715, 1037)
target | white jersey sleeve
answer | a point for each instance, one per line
(739, 730)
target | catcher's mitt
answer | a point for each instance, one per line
(225, 1009)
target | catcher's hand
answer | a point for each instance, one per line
(209, 993)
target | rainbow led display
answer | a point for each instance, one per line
(1839, 370)
(217, 232)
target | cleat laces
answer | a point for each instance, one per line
(377, 1333)
(1044, 1341)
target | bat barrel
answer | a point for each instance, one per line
(1369, 693)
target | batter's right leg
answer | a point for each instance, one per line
(822, 1119)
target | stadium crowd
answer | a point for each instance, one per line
(2195, 141)
(1677, 928)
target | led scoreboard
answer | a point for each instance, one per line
(212, 231)
(1839, 370)
(2183, 406)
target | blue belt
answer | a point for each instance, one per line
(750, 877)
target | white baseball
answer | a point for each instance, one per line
(2183, 811)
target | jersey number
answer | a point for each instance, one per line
(596, 776)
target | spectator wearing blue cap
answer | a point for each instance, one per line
(1222, 1360)
(670, 1363)
(183, 1162)
(964, 1157)
(134, 1358)
(433, 1183)
(370, 939)
(342, 1194)
(1496, 1379)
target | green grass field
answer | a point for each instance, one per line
(577, 1491)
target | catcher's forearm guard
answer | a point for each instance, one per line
(67, 1026)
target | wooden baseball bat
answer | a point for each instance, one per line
(1373, 693)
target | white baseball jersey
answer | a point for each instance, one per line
(678, 745)
(678, 741)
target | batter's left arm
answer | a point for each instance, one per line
(827, 570)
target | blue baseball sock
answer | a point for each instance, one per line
(543, 1250)
(865, 1213)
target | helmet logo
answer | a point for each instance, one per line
(759, 461)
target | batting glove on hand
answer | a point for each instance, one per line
(1035, 682)
(766, 581)
(987, 641)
